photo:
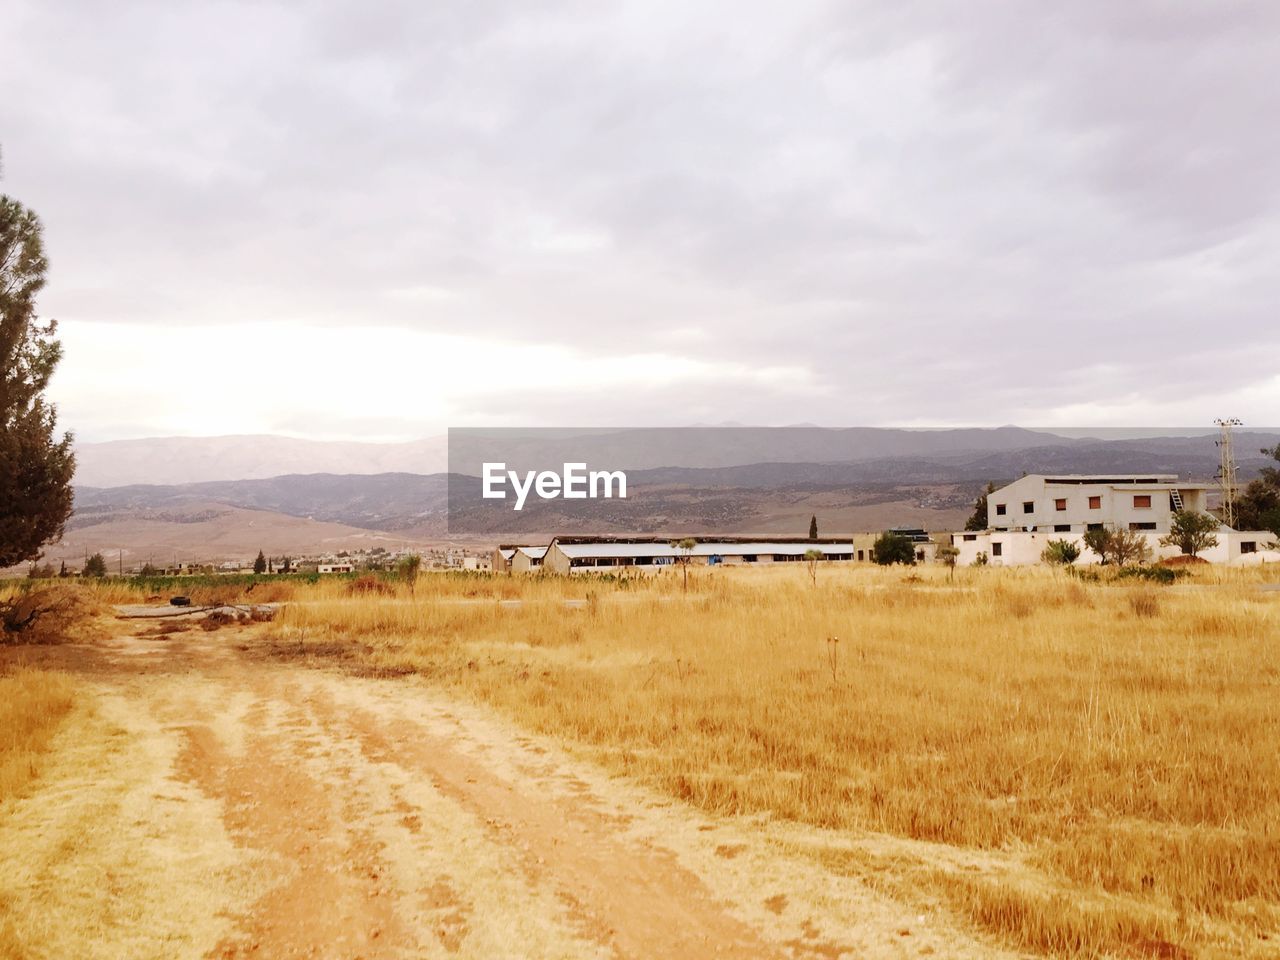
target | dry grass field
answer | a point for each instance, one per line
(1075, 768)
(1052, 767)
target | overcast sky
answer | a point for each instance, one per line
(380, 219)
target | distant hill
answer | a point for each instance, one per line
(175, 460)
(204, 531)
(381, 501)
(935, 491)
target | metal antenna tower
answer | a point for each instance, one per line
(1227, 470)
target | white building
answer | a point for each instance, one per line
(577, 554)
(527, 559)
(1073, 503)
(1025, 515)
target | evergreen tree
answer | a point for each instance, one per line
(95, 566)
(35, 466)
(260, 564)
(978, 520)
(1258, 507)
(813, 528)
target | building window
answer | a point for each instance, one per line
(1062, 528)
(1000, 510)
(1060, 504)
(1142, 501)
(860, 556)
(968, 538)
(997, 549)
(1095, 503)
(1093, 526)
(1142, 526)
(1248, 546)
(1028, 506)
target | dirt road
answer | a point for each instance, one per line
(239, 808)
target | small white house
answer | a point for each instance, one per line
(335, 568)
(527, 559)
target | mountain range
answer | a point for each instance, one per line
(748, 480)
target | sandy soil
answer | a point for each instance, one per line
(245, 808)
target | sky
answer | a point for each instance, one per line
(378, 220)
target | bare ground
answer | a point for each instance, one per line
(217, 804)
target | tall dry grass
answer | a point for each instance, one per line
(1118, 745)
(33, 704)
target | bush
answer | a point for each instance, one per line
(46, 615)
(1118, 547)
(1158, 574)
(1060, 553)
(369, 585)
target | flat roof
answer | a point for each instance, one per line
(709, 548)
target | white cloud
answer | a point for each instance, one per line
(271, 377)
(890, 210)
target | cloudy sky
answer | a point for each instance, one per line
(379, 219)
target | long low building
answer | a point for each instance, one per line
(569, 554)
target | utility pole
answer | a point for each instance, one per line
(1227, 470)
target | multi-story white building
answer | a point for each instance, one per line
(1074, 503)
(1025, 515)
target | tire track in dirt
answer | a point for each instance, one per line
(319, 790)
(637, 901)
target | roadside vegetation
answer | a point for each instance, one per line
(1076, 767)
(33, 704)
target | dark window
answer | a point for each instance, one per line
(1095, 503)
(1028, 506)
(1062, 528)
(1142, 501)
(1060, 504)
(1142, 526)
(1000, 510)
(968, 537)
(1248, 546)
(1093, 526)
(748, 558)
(860, 556)
(997, 549)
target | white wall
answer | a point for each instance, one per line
(1020, 548)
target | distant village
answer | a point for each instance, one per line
(1062, 518)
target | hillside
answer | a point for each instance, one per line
(204, 531)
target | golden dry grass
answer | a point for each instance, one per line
(1114, 747)
(33, 704)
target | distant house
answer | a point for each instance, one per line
(501, 559)
(343, 567)
(527, 559)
